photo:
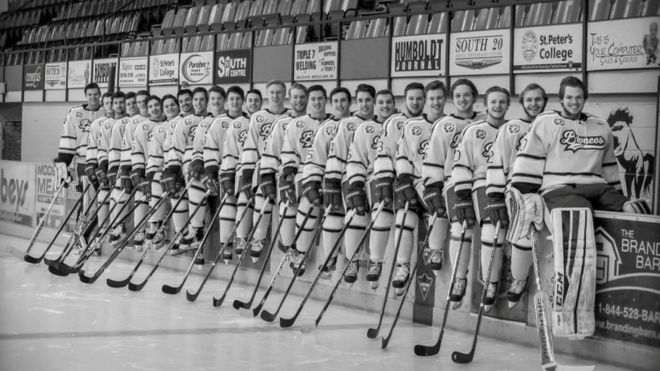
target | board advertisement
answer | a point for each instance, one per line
(102, 68)
(419, 55)
(17, 191)
(556, 48)
(80, 74)
(164, 69)
(133, 72)
(623, 44)
(196, 68)
(233, 66)
(55, 76)
(480, 52)
(316, 61)
(33, 77)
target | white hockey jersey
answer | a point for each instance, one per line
(472, 157)
(362, 154)
(317, 155)
(74, 132)
(509, 139)
(393, 130)
(340, 146)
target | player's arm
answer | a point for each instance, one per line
(270, 158)
(461, 172)
(114, 152)
(528, 167)
(383, 165)
(498, 167)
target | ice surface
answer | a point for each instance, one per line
(56, 323)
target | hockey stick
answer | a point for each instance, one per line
(429, 350)
(32, 260)
(373, 332)
(43, 220)
(367, 231)
(193, 296)
(91, 279)
(460, 357)
(218, 301)
(237, 304)
(288, 322)
(270, 317)
(386, 340)
(172, 290)
(121, 283)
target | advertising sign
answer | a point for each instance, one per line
(55, 76)
(102, 71)
(133, 72)
(46, 186)
(33, 77)
(627, 278)
(548, 48)
(419, 55)
(197, 68)
(80, 74)
(163, 69)
(479, 52)
(17, 189)
(233, 66)
(317, 61)
(623, 43)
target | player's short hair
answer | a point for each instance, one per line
(497, 89)
(237, 90)
(154, 97)
(130, 95)
(341, 89)
(92, 85)
(297, 86)
(142, 92)
(184, 92)
(435, 85)
(107, 94)
(386, 92)
(530, 87)
(118, 95)
(573, 82)
(366, 88)
(218, 89)
(466, 82)
(201, 90)
(275, 82)
(317, 88)
(254, 91)
(413, 86)
(170, 96)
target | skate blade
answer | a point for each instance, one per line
(373, 285)
(456, 304)
(512, 304)
(254, 259)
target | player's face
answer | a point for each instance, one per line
(185, 102)
(253, 103)
(573, 101)
(142, 104)
(119, 106)
(533, 103)
(276, 94)
(199, 103)
(415, 101)
(217, 101)
(384, 106)
(235, 103)
(93, 97)
(463, 98)
(365, 103)
(317, 103)
(298, 100)
(131, 107)
(340, 104)
(497, 103)
(155, 111)
(171, 108)
(436, 102)
(107, 106)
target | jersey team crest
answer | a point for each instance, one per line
(574, 142)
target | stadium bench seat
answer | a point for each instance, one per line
(504, 20)
(377, 28)
(438, 23)
(190, 23)
(599, 9)
(179, 20)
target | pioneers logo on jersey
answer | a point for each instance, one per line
(306, 138)
(242, 136)
(84, 124)
(423, 146)
(264, 132)
(574, 142)
(260, 118)
(376, 143)
(350, 126)
(237, 125)
(331, 130)
(300, 124)
(369, 129)
(487, 153)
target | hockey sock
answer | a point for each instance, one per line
(156, 195)
(306, 238)
(227, 217)
(180, 214)
(262, 229)
(196, 197)
(487, 231)
(380, 233)
(332, 227)
(354, 232)
(142, 208)
(120, 202)
(521, 259)
(244, 228)
(408, 238)
(102, 211)
(439, 233)
(288, 229)
(454, 244)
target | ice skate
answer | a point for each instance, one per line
(515, 292)
(138, 240)
(256, 249)
(117, 235)
(329, 268)
(373, 274)
(401, 277)
(458, 292)
(227, 253)
(298, 263)
(491, 294)
(351, 272)
(240, 246)
(435, 261)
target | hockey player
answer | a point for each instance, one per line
(436, 175)
(297, 140)
(178, 163)
(314, 167)
(359, 173)
(384, 166)
(258, 132)
(334, 176)
(157, 149)
(471, 160)
(253, 101)
(509, 139)
(270, 166)
(410, 155)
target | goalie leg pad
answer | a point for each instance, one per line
(575, 272)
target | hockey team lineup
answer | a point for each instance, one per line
(158, 174)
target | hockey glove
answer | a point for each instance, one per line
(126, 183)
(90, 171)
(62, 172)
(267, 185)
(246, 183)
(137, 177)
(171, 182)
(404, 190)
(332, 193)
(433, 198)
(383, 190)
(227, 182)
(102, 174)
(496, 211)
(211, 184)
(196, 169)
(464, 210)
(311, 191)
(288, 186)
(112, 175)
(357, 198)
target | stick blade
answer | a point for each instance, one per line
(372, 333)
(218, 302)
(384, 341)
(167, 289)
(58, 270)
(50, 262)
(237, 304)
(459, 357)
(425, 350)
(32, 260)
(86, 279)
(256, 310)
(137, 287)
(267, 316)
(191, 297)
(116, 283)
(287, 322)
